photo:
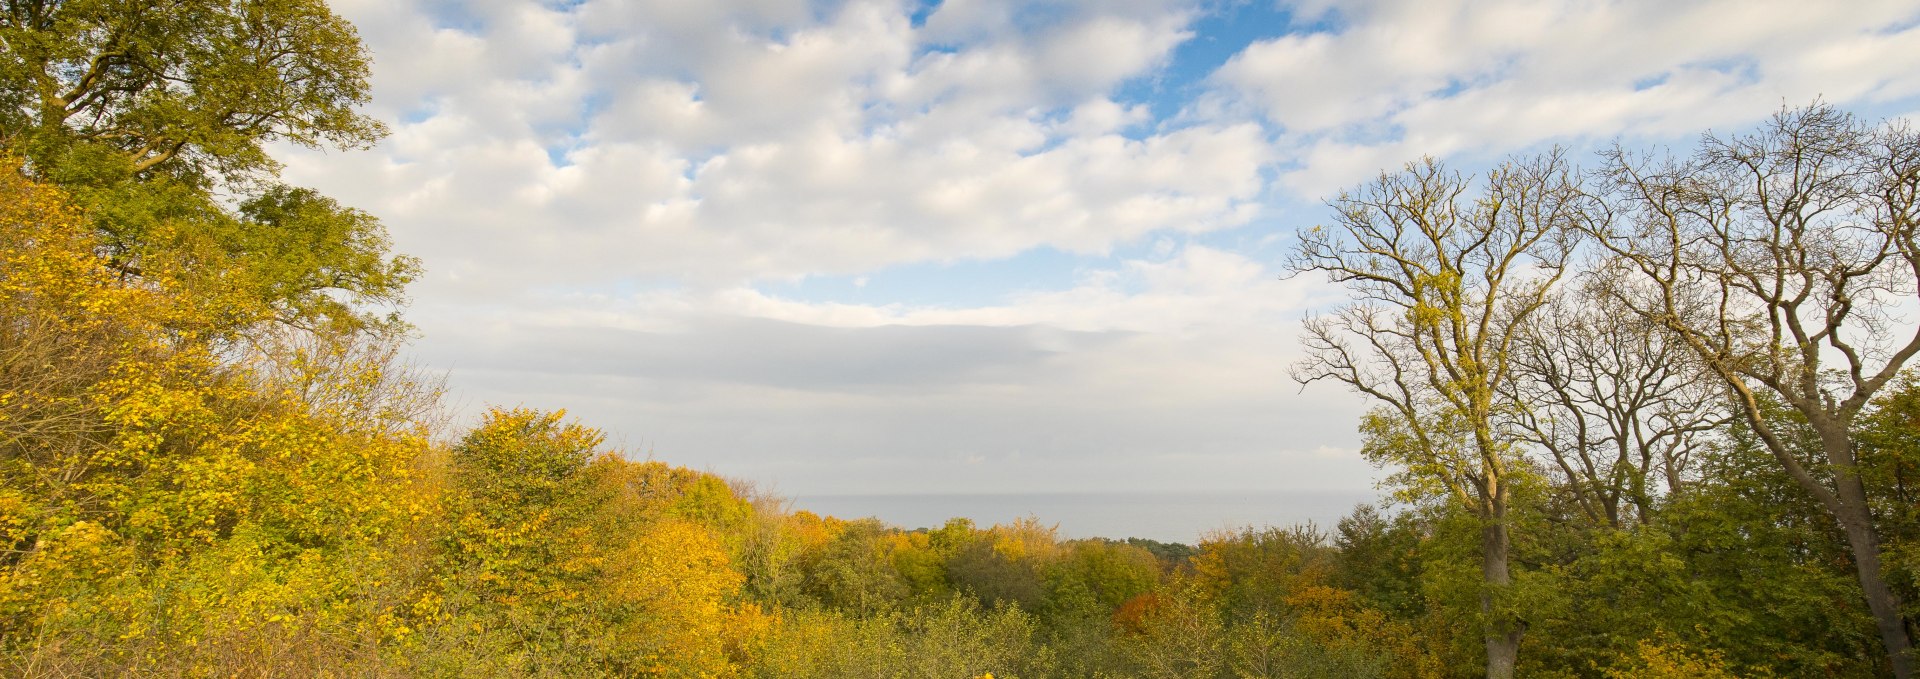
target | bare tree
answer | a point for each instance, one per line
(1779, 258)
(1443, 283)
(360, 378)
(1618, 406)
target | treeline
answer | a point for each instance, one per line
(184, 494)
(186, 498)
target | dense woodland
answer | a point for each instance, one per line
(1645, 419)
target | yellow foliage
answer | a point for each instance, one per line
(1336, 620)
(678, 578)
(813, 531)
(176, 506)
(1026, 539)
(1661, 658)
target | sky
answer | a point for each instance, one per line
(979, 246)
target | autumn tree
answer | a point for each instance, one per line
(954, 637)
(174, 510)
(1008, 564)
(1781, 260)
(855, 572)
(560, 558)
(1444, 283)
(66, 329)
(1099, 575)
(153, 115)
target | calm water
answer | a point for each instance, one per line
(1168, 517)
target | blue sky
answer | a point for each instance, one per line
(979, 245)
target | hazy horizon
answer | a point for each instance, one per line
(1165, 516)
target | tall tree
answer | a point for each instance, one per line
(1779, 258)
(187, 87)
(154, 115)
(1619, 407)
(1444, 283)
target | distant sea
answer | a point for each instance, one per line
(1167, 517)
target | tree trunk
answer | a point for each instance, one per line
(1864, 542)
(1503, 632)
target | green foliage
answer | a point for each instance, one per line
(301, 249)
(855, 572)
(996, 576)
(953, 638)
(150, 114)
(1175, 635)
(1379, 559)
(1752, 526)
(1099, 575)
(1171, 554)
(1890, 468)
(189, 88)
(1253, 570)
(561, 559)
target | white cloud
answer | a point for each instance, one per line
(1160, 373)
(604, 193)
(607, 143)
(1397, 79)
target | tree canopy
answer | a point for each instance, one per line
(153, 116)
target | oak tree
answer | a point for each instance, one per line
(1619, 408)
(1444, 284)
(1781, 259)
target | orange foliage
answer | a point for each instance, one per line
(1134, 614)
(1335, 619)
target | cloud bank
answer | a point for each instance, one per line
(973, 245)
